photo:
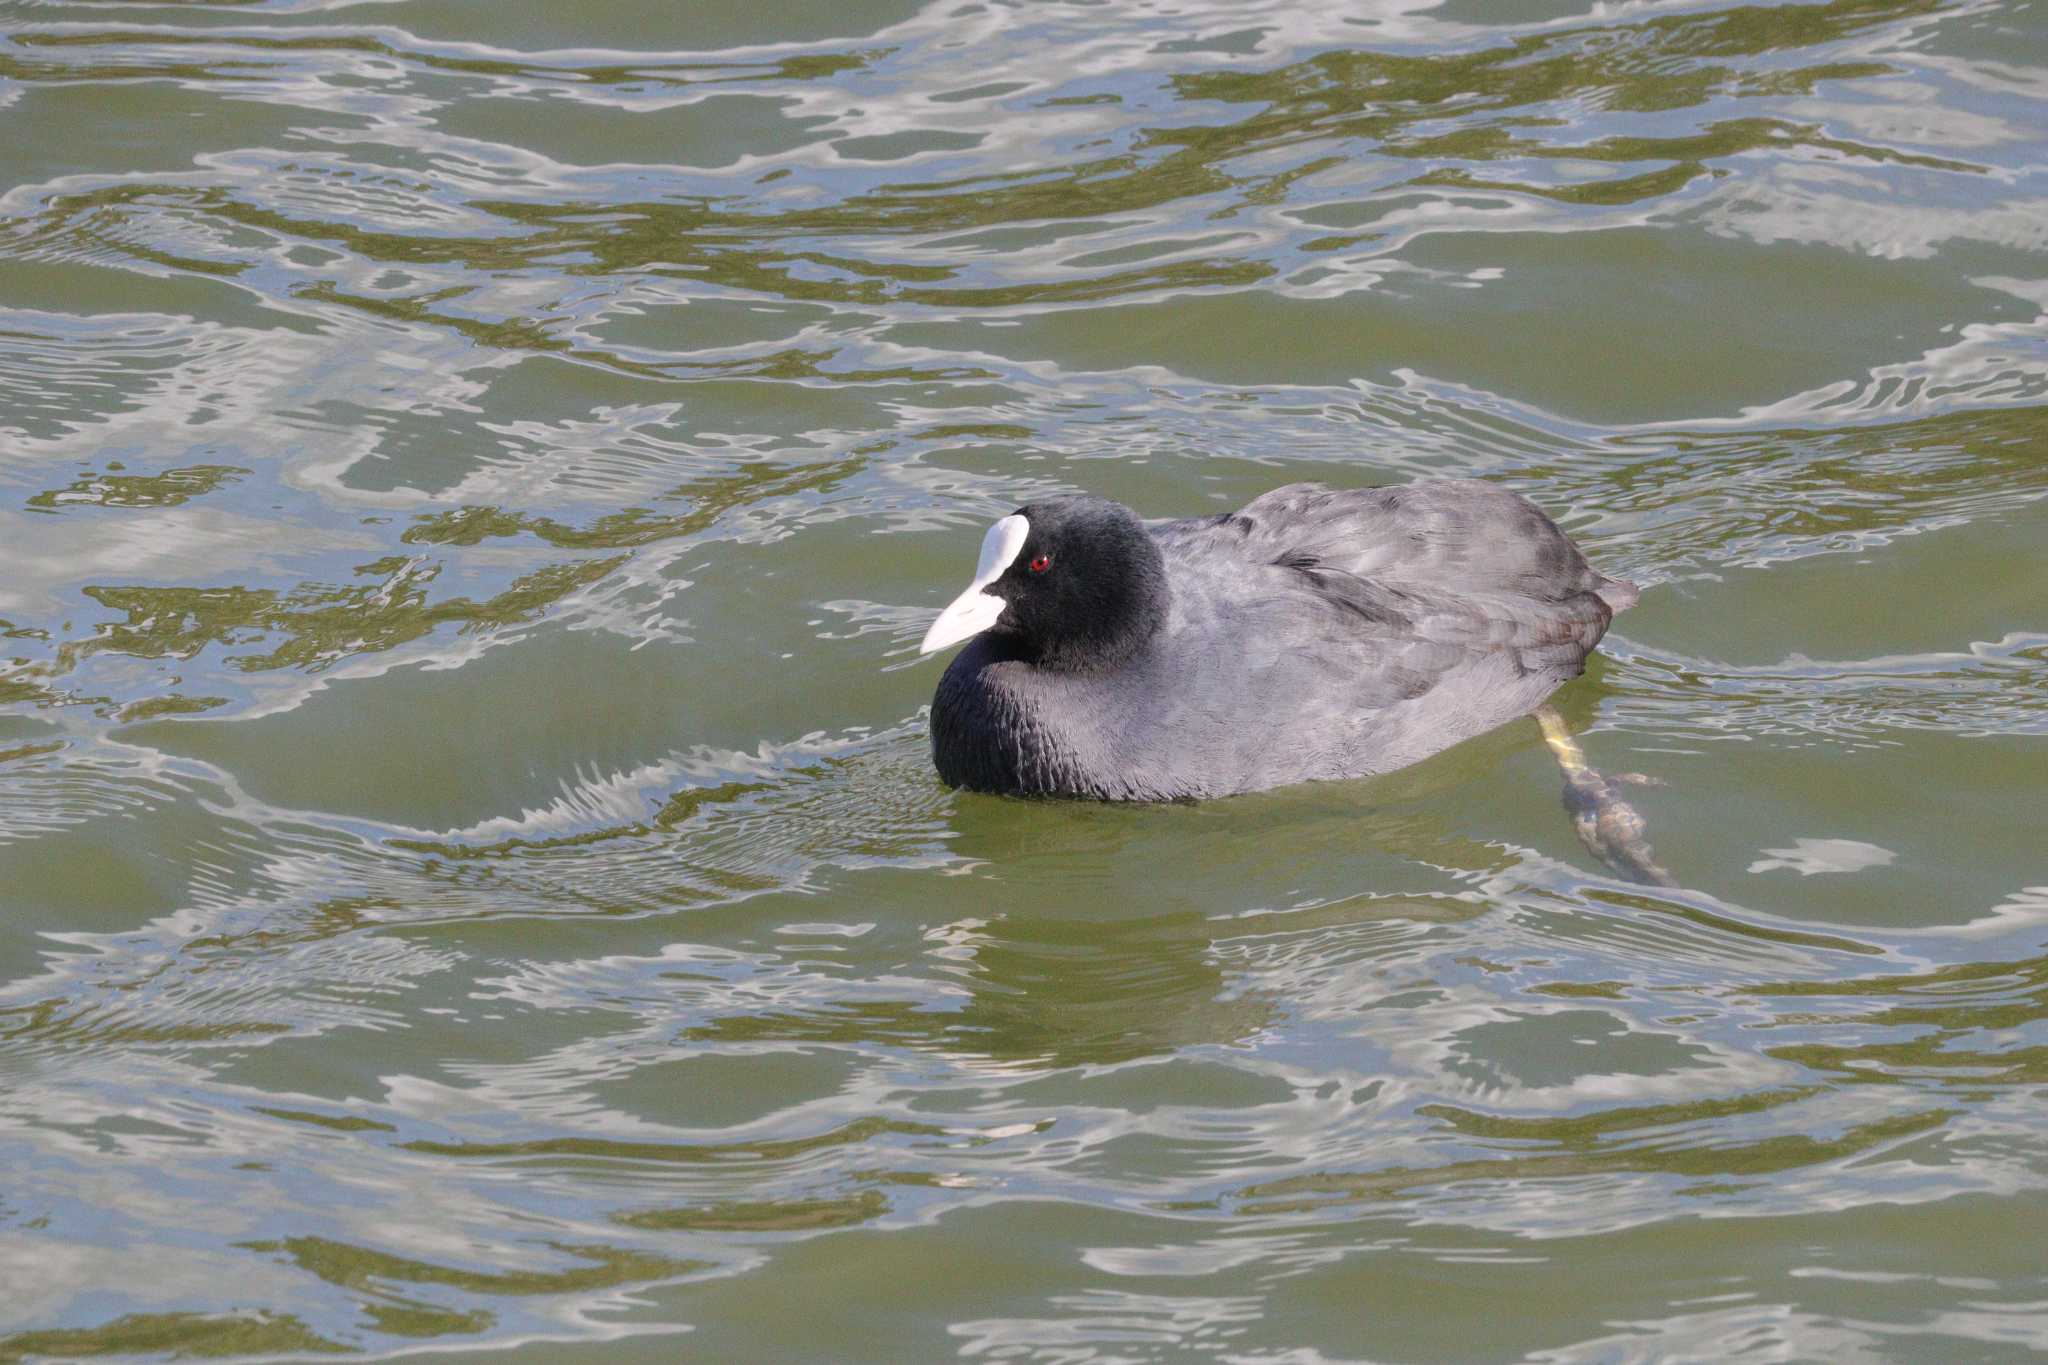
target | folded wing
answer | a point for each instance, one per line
(1412, 588)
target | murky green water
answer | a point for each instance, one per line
(472, 478)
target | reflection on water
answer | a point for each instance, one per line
(472, 874)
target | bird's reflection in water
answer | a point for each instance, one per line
(1062, 974)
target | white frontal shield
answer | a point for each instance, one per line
(975, 610)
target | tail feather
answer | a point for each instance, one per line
(1617, 594)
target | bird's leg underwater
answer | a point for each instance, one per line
(1608, 826)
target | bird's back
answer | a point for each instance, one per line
(1337, 633)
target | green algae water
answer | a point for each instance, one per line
(472, 480)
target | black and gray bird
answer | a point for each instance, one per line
(1317, 633)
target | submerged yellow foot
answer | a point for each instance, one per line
(1609, 827)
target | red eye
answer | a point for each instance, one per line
(1041, 564)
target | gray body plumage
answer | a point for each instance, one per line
(1315, 634)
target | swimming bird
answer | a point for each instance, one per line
(1315, 634)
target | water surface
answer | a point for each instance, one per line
(472, 478)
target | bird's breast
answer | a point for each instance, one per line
(999, 725)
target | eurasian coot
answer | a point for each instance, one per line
(1317, 633)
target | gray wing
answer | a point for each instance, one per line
(1452, 605)
(1456, 535)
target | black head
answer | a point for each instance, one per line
(1085, 589)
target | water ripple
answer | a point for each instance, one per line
(472, 870)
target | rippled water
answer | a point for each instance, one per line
(471, 481)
